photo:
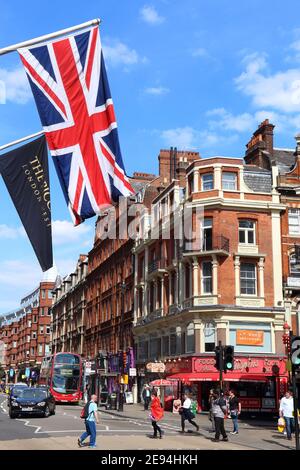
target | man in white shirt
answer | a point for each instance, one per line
(286, 411)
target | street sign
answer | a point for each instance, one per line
(132, 372)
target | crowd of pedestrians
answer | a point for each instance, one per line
(221, 406)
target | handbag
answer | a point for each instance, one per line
(281, 424)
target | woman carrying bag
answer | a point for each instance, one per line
(157, 413)
(186, 412)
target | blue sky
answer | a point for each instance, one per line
(196, 74)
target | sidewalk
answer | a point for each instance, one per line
(137, 412)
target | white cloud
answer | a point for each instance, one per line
(64, 232)
(20, 273)
(280, 90)
(11, 233)
(150, 15)
(229, 122)
(199, 52)
(188, 138)
(181, 137)
(14, 86)
(117, 53)
(247, 122)
(159, 90)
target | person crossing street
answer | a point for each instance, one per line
(90, 423)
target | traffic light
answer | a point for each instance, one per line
(228, 358)
(295, 352)
(218, 357)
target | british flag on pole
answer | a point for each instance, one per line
(69, 83)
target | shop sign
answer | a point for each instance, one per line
(132, 372)
(156, 367)
(124, 379)
(250, 337)
(129, 397)
(251, 365)
(185, 365)
(250, 403)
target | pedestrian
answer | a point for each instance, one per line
(219, 410)
(210, 413)
(186, 412)
(90, 424)
(286, 411)
(235, 409)
(156, 415)
(146, 394)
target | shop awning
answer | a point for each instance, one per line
(214, 377)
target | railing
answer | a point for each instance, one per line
(173, 309)
(156, 265)
(218, 243)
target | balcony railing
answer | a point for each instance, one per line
(157, 265)
(217, 243)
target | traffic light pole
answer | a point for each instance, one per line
(221, 364)
(296, 406)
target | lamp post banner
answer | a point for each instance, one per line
(26, 176)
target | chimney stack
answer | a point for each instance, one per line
(260, 147)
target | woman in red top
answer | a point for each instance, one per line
(157, 413)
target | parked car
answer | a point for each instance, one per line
(37, 401)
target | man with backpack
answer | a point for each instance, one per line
(90, 416)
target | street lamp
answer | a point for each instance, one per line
(286, 338)
(121, 392)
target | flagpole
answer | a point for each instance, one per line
(46, 37)
(23, 139)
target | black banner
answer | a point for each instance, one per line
(26, 175)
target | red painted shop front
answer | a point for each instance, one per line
(258, 381)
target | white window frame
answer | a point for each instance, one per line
(246, 231)
(294, 215)
(207, 182)
(255, 280)
(203, 278)
(293, 271)
(227, 185)
(190, 332)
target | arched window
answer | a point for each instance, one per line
(190, 338)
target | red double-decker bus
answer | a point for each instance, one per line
(62, 372)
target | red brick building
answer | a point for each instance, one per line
(109, 282)
(285, 165)
(25, 332)
(68, 311)
(225, 287)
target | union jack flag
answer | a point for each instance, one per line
(69, 83)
